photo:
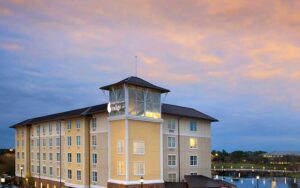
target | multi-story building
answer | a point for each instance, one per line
(133, 137)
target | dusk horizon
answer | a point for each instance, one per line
(237, 62)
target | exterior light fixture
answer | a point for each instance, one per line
(142, 181)
(257, 178)
(2, 180)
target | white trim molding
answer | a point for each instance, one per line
(134, 182)
(75, 185)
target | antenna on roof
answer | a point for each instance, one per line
(136, 65)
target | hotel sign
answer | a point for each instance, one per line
(115, 107)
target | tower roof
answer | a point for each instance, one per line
(136, 81)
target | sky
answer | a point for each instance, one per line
(237, 61)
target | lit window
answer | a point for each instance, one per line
(94, 141)
(94, 158)
(69, 140)
(94, 176)
(172, 177)
(171, 124)
(139, 168)
(120, 168)
(171, 142)
(193, 143)
(78, 158)
(78, 124)
(69, 124)
(94, 123)
(78, 175)
(120, 147)
(193, 126)
(78, 140)
(69, 157)
(193, 160)
(69, 174)
(139, 147)
(171, 160)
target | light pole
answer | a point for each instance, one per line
(2, 181)
(257, 178)
(21, 168)
(142, 181)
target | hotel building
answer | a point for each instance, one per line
(114, 145)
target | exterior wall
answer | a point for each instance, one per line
(149, 133)
(202, 152)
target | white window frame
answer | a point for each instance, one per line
(69, 174)
(50, 171)
(171, 165)
(69, 124)
(193, 124)
(93, 176)
(78, 124)
(78, 174)
(173, 138)
(69, 141)
(94, 140)
(78, 140)
(94, 159)
(172, 174)
(78, 156)
(136, 150)
(135, 163)
(190, 161)
(94, 123)
(172, 124)
(69, 157)
(120, 147)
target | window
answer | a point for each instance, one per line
(18, 143)
(171, 160)
(69, 157)
(50, 142)
(139, 147)
(94, 158)
(171, 124)
(117, 101)
(78, 124)
(22, 143)
(57, 128)
(94, 176)
(171, 142)
(50, 171)
(32, 155)
(78, 140)
(58, 141)
(94, 141)
(44, 170)
(38, 142)
(44, 142)
(69, 124)
(22, 132)
(78, 158)
(50, 129)
(120, 168)
(38, 130)
(78, 175)
(38, 156)
(193, 160)
(193, 126)
(69, 174)
(57, 156)
(50, 156)
(57, 172)
(44, 130)
(18, 155)
(94, 123)
(23, 155)
(139, 168)
(193, 143)
(44, 156)
(32, 168)
(69, 140)
(120, 147)
(32, 143)
(193, 174)
(38, 169)
(172, 177)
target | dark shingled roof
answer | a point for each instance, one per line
(132, 80)
(166, 109)
(200, 181)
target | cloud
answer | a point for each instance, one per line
(11, 46)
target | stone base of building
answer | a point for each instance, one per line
(154, 185)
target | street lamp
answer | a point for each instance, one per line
(257, 178)
(21, 168)
(142, 181)
(2, 181)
